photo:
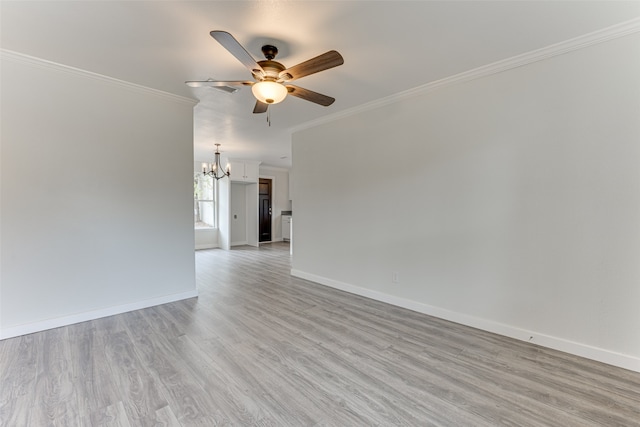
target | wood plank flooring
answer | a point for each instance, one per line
(260, 348)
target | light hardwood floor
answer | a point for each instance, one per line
(259, 347)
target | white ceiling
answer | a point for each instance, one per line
(388, 47)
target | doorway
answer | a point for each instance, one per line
(264, 209)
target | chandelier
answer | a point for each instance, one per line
(215, 169)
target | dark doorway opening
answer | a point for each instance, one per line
(264, 209)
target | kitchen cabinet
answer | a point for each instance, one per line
(244, 171)
(286, 227)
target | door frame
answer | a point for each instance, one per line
(273, 186)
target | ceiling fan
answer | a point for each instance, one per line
(271, 78)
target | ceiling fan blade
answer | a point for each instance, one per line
(216, 83)
(319, 63)
(310, 95)
(261, 107)
(227, 89)
(236, 49)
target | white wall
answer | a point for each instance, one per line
(96, 197)
(206, 238)
(280, 200)
(510, 202)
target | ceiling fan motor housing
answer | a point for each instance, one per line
(271, 68)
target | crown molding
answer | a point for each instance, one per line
(9, 55)
(613, 32)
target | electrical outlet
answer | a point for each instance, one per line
(395, 277)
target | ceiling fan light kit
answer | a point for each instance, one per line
(269, 92)
(270, 85)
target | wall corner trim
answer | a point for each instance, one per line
(30, 328)
(609, 33)
(589, 352)
(9, 55)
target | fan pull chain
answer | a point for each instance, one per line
(269, 117)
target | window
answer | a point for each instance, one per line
(204, 201)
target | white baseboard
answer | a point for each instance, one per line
(273, 241)
(239, 243)
(30, 328)
(207, 246)
(594, 353)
